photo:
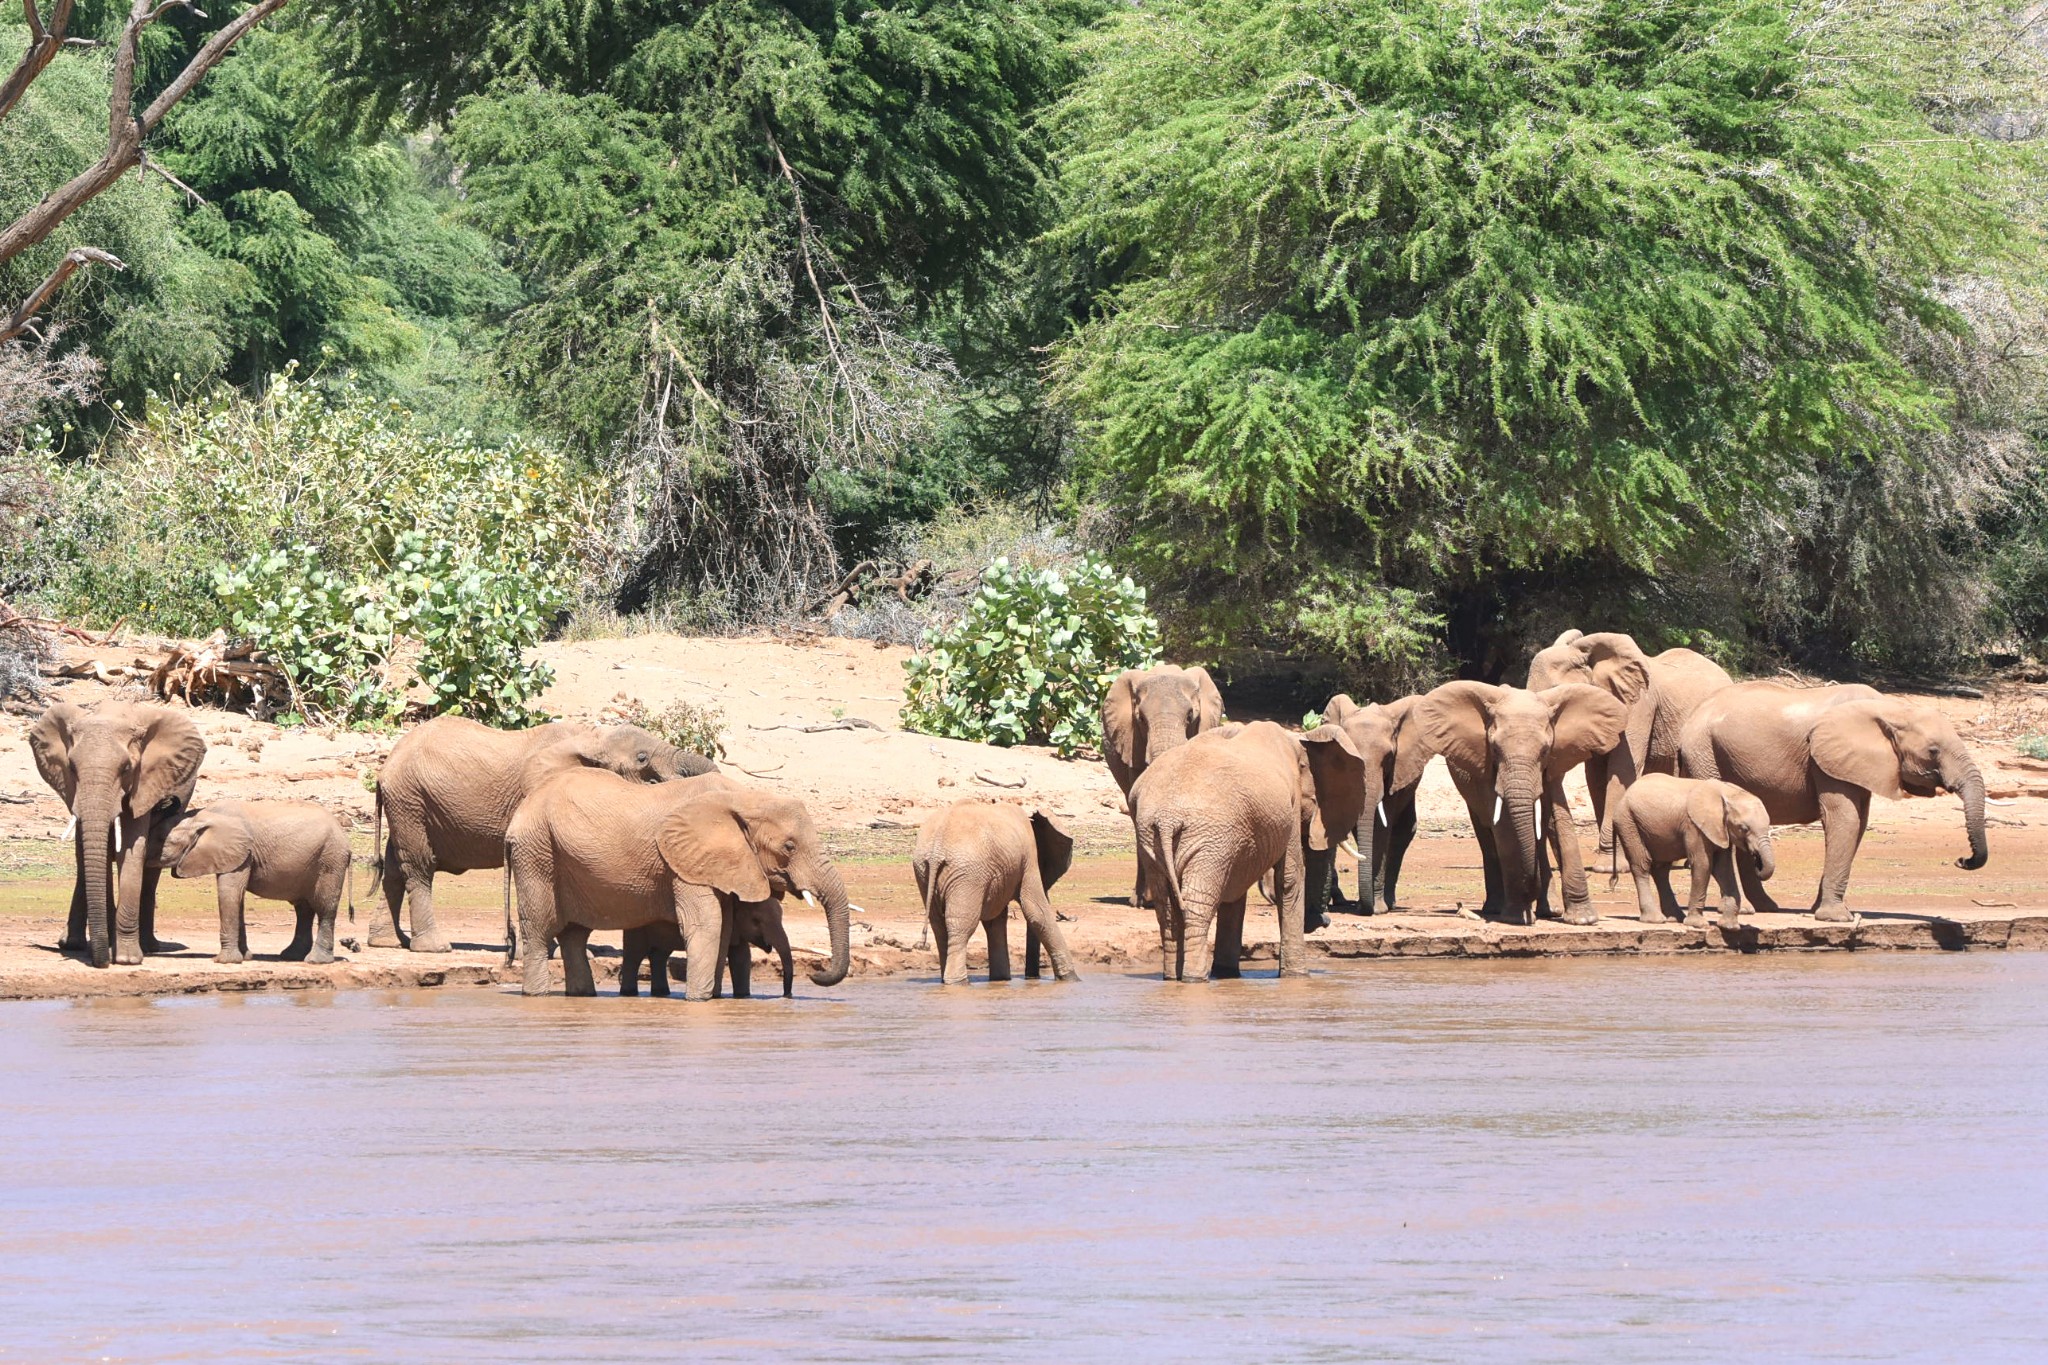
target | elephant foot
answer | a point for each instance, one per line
(319, 959)
(1581, 915)
(68, 944)
(434, 944)
(1731, 922)
(230, 958)
(1837, 913)
(161, 945)
(128, 957)
(385, 939)
(1657, 918)
(295, 954)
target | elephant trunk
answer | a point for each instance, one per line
(1366, 837)
(1964, 779)
(1521, 847)
(97, 815)
(825, 881)
(1766, 855)
(686, 763)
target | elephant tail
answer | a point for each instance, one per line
(1167, 864)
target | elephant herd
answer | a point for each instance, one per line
(611, 828)
(1682, 763)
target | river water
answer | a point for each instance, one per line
(1834, 1157)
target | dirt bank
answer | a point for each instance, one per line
(870, 787)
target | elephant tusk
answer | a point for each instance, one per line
(1497, 807)
(1349, 846)
(810, 900)
(1539, 820)
(72, 828)
(1380, 809)
(117, 834)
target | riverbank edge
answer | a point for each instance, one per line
(396, 969)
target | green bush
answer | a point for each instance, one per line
(1029, 660)
(215, 479)
(687, 725)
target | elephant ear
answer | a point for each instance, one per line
(1584, 721)
(1707, 807)
(1333, 784)
(1208, 702)
(1853, 743)
(222, 845)
(705, 843)
(1120, 723)
(1452, 721)
(1055, 848)
(1411, 751)
(1340, 706)
(1570, 637)
(171, 752)
(1626, 680)
(50, 739)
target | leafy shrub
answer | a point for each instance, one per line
(138, 533)
(2032, 746)
(687, 725)
(444, 628)
(1029, 660)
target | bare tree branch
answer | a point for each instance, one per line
(125, 130)
(44, 42)
(24, 316)
(193, 198)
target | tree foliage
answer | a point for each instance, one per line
(1418, 294)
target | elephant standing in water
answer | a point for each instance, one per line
(449, 789)
(1508, 750)
(1659, 691)
(122, 769)
(1817, 753)
(1217, 814)
(972, 860)
(1395, 753)
(1147, 713)
(756, 923)
(592, 850)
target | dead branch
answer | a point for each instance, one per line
(126, 130)
(45, 41)
(24, 315)
(914, 579)
(10, 619)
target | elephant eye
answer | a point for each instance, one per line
(789, 845)
(641, 757)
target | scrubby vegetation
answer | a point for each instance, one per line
(1376, 341)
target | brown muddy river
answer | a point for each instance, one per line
(1788, 1158)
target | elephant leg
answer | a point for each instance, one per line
(739, 961)
(1700, 861)
(1319, 879)
(1844, 811)
(392, 882)
(302, 933)
(1034, 951)
(1479, 805)
(703, 954)
(419, 904)
(1400, 834)
(1191, 956)
(1041, 927)
(658, 973)
(1731, 900)
(128, 897)
(996, 929)
(1571, 869)
(151, 876)
(935, 917)
(1651, 892)
(1227, 961)
(75, 939)
(536, 886)
(228, 892)
(325, 913)
(633, 952)
(576, 977)
(1760, 900)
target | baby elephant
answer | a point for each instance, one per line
(282, 850)
(759, 926)
(972, 860)
(1709, 824)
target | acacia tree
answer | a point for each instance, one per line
(128, 128)
(1417, 297)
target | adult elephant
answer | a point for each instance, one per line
(1508, 750)
(1216, 815)
(1660, 692)
(592, 850)
(1394, 753)
(449, 789)
(1146, 714)
(1817, 753)
(123, 770)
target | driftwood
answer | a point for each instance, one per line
(913, 579)
(10, 619)
(229, 671)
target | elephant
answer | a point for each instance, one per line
(592, 850)
(1220, 812)
(1148, 712)
(971, 861)
(294, 851)
(759, 924)
(1395, 754)
(449, 789)
(121, 767)
(1712, 825)
(1659, 691)
(1817, 753)
(1514, 746)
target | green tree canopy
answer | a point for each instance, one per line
(1417, 293)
